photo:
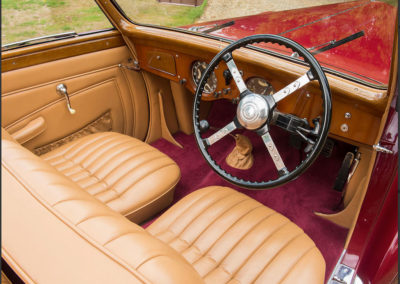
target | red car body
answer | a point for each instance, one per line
(373, 248)
(367, 58)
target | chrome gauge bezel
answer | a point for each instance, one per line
(212, 82)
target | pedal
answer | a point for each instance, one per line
(344, 171)
(328, 148)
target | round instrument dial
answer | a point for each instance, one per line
(198, 69)
(259, 86)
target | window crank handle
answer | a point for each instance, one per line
(62, 91)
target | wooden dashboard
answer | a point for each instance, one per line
(356, 108)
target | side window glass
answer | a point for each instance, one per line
(23, 20)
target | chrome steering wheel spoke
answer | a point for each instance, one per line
(220, 133)
(294, 86)
(237, 77)
(274, 153)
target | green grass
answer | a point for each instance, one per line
(391, 2)
(153, 12)
(24, 19)
(27, 4)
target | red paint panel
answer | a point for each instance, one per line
(372, 250)
(365, 57)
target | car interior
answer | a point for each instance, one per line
(119, 165)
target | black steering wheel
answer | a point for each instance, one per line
(257, 112)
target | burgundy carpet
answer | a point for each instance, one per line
(296, 200)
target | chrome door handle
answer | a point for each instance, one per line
(62, 91)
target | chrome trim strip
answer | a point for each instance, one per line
(274, 153)
(291, 88)
(221, 133)
(349, 276)
(237, 77)
(39, 39)
(336, 266)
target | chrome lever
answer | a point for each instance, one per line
(62, 91)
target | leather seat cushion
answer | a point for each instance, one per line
(55, 232)
(128, 175)
(231, 238)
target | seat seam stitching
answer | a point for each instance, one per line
(237, 243)
(295, 264)
(134, 168)
(167, 227)
(213, 222)
(138, 180)
(77, 143)
(106, 148)
(230, 227)
(204, 209)
(277, 253)
(260, 245)
(114, 154)
(101, 180)
(121, 235)
(92, 217)
(89, 144)
(65, 200)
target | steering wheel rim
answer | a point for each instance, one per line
(315, 73)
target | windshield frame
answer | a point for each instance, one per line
(380, 86)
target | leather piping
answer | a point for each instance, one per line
(155, 199)
(15, 266)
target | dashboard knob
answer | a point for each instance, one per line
(227, 76)
(204, 126)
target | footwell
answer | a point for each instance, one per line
(297, 200)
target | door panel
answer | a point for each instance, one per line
(96, 84)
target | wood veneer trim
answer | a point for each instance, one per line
(33, 55)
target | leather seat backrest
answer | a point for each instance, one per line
(55, 232)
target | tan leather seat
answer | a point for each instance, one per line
(55, 232)
(128, 175)
(231, 238)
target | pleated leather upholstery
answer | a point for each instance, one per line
(128, 175)
(55, 232)
(231, 238)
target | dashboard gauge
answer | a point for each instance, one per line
(259, 86)
(198, 69)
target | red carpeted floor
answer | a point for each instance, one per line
(296, 200)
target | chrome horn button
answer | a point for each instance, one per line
(252, 111)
